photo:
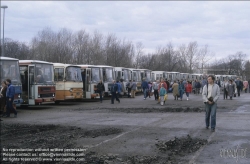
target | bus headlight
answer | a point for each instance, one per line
(53, 95)
(70, 89)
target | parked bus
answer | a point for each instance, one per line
(171, 76)
(184, 76)
(122, 74)
(91, 76)
(38, 82)
(136, 76)
(158, 75)
(196, 76)
(9, 69)
(68, 80)
(108, 75)
(145, 73)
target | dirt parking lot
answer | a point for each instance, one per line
(133, 131)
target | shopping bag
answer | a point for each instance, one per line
(165, 97)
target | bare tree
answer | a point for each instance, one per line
(138, 54)
(203, 58)
(192, 56)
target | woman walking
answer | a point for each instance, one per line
(181, 89)
(175, 90)
(188, 89)
(230, 89)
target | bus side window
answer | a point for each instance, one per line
(58, 74)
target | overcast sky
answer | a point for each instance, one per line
(224, 26)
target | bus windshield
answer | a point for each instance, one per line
(73, 74)
(10, 70)
(108, 74)
(95, 75)
(43, 73)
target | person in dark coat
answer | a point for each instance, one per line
(181, 89)
(239, 85)
(144, 86)
(10, 93)
(230, 89)
(225, 91)
(114, 92)
(100, 89)
(3, 98)
(128, 87)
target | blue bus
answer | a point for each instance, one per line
(9, 69)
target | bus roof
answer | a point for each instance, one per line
(87, 66)
(107, 66)
(33, 61)
(7, 58)
(64, 65)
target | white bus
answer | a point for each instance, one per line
(136, 76)
(122, 74)
(172, 76)
(158, 75)
(91, 76)
(38, 80)
(108, 75)
(68, 80)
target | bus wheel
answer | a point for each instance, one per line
(57, 102)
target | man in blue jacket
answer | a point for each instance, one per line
(144, 86)
(114, 92)
(10, 93)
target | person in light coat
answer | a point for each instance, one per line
(230, 89)
(210, 96)
(175, 87)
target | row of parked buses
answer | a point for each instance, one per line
(38, 82)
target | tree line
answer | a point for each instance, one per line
(81, 47)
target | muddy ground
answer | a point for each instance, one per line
(65, 137)
(133, 131)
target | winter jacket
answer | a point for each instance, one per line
(133, 86)
(155, 86)
(215, 93)
(188, 88)
(144, 85)
(197, 84)
(175, 87)
(10, 93)
(163, 91)
(100, 87)
(119, 87)
(114, 88)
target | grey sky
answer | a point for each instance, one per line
(224, 26)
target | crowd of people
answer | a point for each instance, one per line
(178, 88)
